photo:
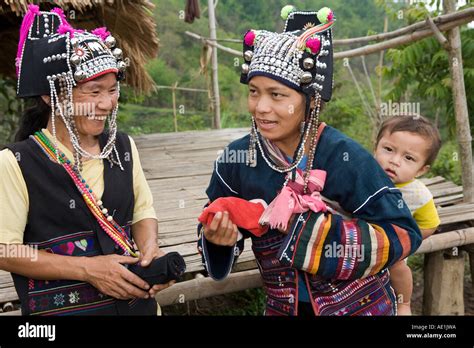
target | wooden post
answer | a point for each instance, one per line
(175, 116)
(215, 76)
(463, 130)
(443, 292)
(470, 251)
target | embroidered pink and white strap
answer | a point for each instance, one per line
(292, 199)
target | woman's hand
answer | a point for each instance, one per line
(145, 233)
(221, 230)
(146, 257)
(107, 274)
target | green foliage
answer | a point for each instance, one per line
(420, 71)
(447, 164)
(138, 119)
(10, 108)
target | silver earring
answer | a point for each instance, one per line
(302, 127)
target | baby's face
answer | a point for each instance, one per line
(402, 155)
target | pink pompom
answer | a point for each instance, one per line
(59, 11)
(33, 11)
(66, 28)
(249, 38)
(330, 16)
(101, 32)
(314, 45)
(33, 8)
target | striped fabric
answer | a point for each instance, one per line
(329, 246)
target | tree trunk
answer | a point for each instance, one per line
(463, 130)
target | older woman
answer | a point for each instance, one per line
(73, 189)
(329, 220)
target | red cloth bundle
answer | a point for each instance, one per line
(243, 213)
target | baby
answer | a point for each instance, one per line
(405, 148)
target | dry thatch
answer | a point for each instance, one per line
(130, 21)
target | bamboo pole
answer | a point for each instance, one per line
(182, 88)
(379, 90)
(406, 30)
(377, 37)
(203, 287)
(214, 44)
(446, 240)
(175, 116)
(214, 62)
(463, 130)
(457, 19)
(401, 40)
(438, 35)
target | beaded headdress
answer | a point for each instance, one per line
(53, 57)
(301, 58)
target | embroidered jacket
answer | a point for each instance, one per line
(343, 261)
(59, 222)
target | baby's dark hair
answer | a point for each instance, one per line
(414, 124)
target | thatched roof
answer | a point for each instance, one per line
(130, 21)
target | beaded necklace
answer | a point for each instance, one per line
(105, 220)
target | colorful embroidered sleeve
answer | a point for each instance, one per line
(381, 232)
(218, 260)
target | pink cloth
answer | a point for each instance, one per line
(291, 200)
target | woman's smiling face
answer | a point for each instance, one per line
(93, 101)
(278, 110)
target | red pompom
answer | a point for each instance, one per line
(249, 38)
(314, 45)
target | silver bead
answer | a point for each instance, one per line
(79, 75)
(245, 68)
(308, 63)
(306, 77)
(110, 41)
(74, 42)
(117, 52)
(121, 65)
(75, 59)
(248, 55)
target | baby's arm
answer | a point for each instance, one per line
(426, 232)
(402, 282)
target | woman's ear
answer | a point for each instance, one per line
(46, 99)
